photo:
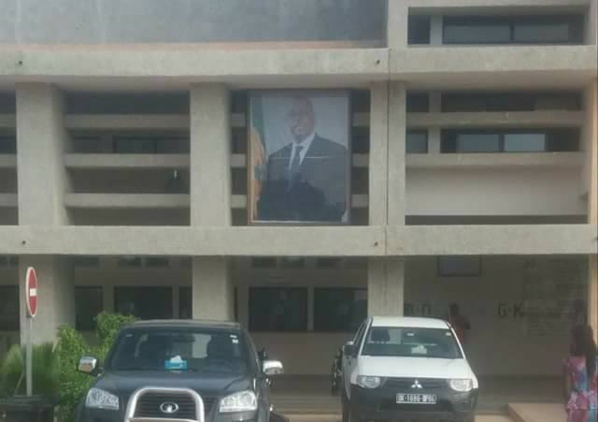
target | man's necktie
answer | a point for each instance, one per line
(294, 167)
(296, 162)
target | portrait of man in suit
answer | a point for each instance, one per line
(307, 179)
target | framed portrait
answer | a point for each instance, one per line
(299, 159)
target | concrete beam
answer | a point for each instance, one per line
(485, 4)
(552, 118)
(126, 201)
(493, 240)
(299, 241)
(190, 63)
(501, 161)
(124, 161)
(124, 122)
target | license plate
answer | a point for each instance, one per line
(416, 398)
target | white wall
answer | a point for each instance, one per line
(478, 191)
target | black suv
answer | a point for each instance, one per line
(179, 370)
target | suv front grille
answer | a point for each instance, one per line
(149, 405)
(405, 384)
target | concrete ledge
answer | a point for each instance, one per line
(501, 160)
(357, 201)
(359, 161)
(300, 241)
(124, 161)
(509, 119)
(8, 121)
(537, 412)
(483, 4)
(126, 121)
(130, 201)
(160, 241)
(565, 239)
(8, 161)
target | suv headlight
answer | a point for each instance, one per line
(100, 399)
(461, 385)
(369, 382)
(245, 401)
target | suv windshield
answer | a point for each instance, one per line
(411, 342)
(190, 349)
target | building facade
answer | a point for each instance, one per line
(136, 140)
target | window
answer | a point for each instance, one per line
(292, 263)
(127, 103)
(480, 102)
(156, 262)
(411, 342)
(515, 141)
(339, 309)
(277, 309)
(89, 302)
(9, 261)
(419, 30)
(459, 266)
(264, 262)
(9, 308)
(550, 29)
(217, 353)
(418, 103)
(86, 261)
(130, 262)
(8, 145)
(417, 142)
(328, 263)
(144, 302)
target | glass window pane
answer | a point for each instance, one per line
(89, 302)
(418, 103)
(156, 262)
(417, 142)
(339, 309)
(144, 302)
(8, 145)
(277, 309)
(477, 34)
(478, 142)
(525, 142)
(9, 308)
(459, 266)
(541, 33)
(419, 30)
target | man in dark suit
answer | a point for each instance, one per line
(307, 179)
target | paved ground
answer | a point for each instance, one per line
(316, 418)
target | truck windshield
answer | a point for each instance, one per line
(189, 349)
(411, 342)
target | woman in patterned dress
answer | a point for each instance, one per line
(581, 379)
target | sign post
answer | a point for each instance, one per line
(31, 298)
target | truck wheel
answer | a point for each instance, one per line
(345, 406)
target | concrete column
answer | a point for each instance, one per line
(41, 137)
(386, 286)
(210, 196)
(435, 134)
(43, 181)
(396, 24)
(212, 289)
(591, 177)
(387, 192)
(56, 296)
(378, 165)
(210, 156)
(397, 134)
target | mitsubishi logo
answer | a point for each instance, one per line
(169, 408)
(416, 385)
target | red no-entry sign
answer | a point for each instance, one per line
(31, 291)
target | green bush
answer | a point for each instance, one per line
(44, 371)
(71, 346)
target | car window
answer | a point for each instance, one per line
(198, 350)
(411, 342)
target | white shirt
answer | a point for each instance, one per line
(305, 144)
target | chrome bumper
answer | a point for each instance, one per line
(132, 406)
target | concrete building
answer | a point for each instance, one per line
(474, 145)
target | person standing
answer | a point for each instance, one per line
(459, 322)
(580, 375)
